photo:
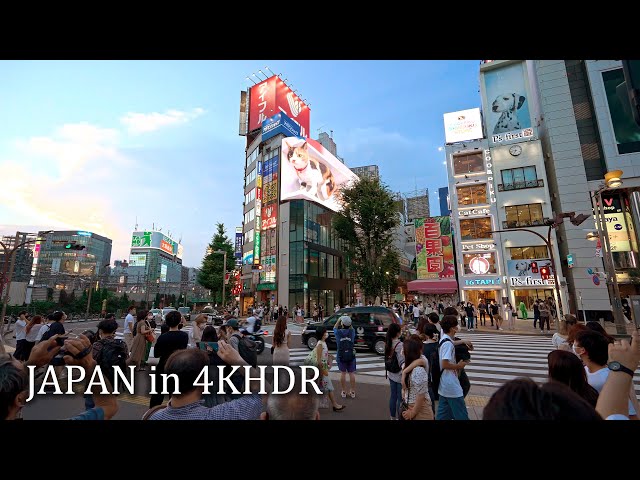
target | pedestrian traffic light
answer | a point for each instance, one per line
(544, 273)
(73, 246)
(534, 267)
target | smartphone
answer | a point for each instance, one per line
(60, 340)
(203, 346)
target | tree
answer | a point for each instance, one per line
(366, 224)
(210, 274)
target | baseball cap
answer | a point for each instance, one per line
(232, 323)
(345, 320)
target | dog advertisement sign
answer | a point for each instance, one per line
(526, 273)
(507, 111)
(310, 172)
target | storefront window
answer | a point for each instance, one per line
(529, 296)
(314, 259)
(528, 253)
(475, 228)
(468, 163)
(473, 195)
(524, 215)
(479, 263)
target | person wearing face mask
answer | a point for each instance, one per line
(451, 405)
(593, 349)
(471, 313)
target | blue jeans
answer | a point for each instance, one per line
(396, 398)
(452, 409)
(470, 321)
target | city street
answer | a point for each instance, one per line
(496, 358)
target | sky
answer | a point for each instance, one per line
(99, 145)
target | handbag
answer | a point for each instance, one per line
(404, 406)
(150, 337)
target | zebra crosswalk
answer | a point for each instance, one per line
(496, 359)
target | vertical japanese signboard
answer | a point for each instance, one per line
(238, 246)
(258, 207)
(434, 249)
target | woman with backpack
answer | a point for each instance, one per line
(345, 341)
(393, 359)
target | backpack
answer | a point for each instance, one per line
(435, 373)
(345, 350)
(247, 349)
(113, 352)
(391, 363)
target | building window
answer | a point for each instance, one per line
(473, 195)
(250, 177)
(468, 163)
(250, 197)
(479, 263)
(519, 178)
(252, 157)
(524, 216)
(528, 253)
(250, 216)
(625, 129)
(475, 228)
(248, 236)
(274, 152)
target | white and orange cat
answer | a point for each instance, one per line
(314, 177)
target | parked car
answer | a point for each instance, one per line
(167, 310)
(186, 312)
(370, 323)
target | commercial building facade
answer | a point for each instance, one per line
(367, 171)
(418, 206)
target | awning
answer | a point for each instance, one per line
(433, 286)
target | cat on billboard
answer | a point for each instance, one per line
(311, 172)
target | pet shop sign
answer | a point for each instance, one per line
(273, 96)
(526, 273)
(506, 137)
(491, 189)
(469, 247)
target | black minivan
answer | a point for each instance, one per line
(370, 323)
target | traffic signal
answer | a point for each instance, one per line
(534, 267)
(544, 273)
(73, 246)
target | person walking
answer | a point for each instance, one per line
(495, 314)
(416, 314)
(462, 313)
(415, 383)
(523, 310)
(394, 347)
(139, 344)
(471, 316)
(451, 404)
(197, 329)
(509, 312)
(345, 341)
(320, 313)
(299, 317)
(319, 357)
(281, 340)
(129, 326)
(32, 330)
(482, 308)
(544, 316)
(536, 312)
(21, 336)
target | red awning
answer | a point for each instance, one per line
(433, 286)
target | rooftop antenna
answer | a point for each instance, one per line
(136, 229)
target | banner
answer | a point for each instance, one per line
(434, 249)
(527, 273)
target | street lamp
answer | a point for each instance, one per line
(553, 224)
(224, 273)
(9, 264)
(611, 180)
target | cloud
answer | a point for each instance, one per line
(138, 123)
(366, 137)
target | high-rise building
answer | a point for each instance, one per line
(62, 256)
(418, 206)
(23, 257)
(587, 129)
(289, 253)
(327, 142)
(367, 171)
(155, 257)
(443, 198)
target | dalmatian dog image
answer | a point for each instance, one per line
(508, 104)
(523, 267)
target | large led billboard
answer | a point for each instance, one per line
(463, 125)
(272, 96)
(527, 273)
(156, 240)
(311, 172)
(434, 249)
(506, 108)
(137, 259)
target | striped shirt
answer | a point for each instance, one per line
(249, 407)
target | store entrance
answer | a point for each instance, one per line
(474, 296)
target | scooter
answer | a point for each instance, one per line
(257, 338)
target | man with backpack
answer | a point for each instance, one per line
(451, 404)
(243, 345)
(345, 341)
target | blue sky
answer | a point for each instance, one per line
(92, 144)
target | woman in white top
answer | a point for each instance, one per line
(32, 330)
(281, 337)
(21, 336)
(509, 312)
(299, 317)
(559, 339)
(320, 358)
(199, 324)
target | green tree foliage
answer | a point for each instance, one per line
(367, 224)
(210, 274)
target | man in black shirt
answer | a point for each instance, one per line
(55, 327)
(166, 344)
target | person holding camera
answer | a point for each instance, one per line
(345, 340)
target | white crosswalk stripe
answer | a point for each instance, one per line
(495, 359)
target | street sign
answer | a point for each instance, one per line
(570, 260)
(598, 249)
